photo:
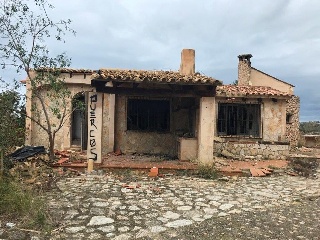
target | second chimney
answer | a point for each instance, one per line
(244, 69)
(187, 66)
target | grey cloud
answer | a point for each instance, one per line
(282, 35)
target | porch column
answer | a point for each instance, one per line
(109, 121)
(94, 126)
(206, 129)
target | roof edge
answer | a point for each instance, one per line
(65, 70)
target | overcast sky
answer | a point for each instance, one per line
(283, 36)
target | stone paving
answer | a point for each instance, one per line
(108, 207)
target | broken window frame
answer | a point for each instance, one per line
(239, 119)
(148, 114)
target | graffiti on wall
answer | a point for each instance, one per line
(94, 127)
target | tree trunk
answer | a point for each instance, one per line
(51, 147)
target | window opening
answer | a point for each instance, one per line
(148, 115)
(239, 119)
(289, 118)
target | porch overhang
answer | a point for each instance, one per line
(154, 83)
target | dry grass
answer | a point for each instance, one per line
(23, 205)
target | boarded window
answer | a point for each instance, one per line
(239, 119)
(148, 115)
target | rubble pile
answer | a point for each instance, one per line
(69, 156)
(304, 166)
(35, 171)
(32, 166)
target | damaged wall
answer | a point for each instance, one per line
(274, 120)
(63, 137)
(137, 141)
(182, 124)
(271, 145)
(310, 141)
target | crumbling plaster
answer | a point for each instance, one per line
(108, 121)
(206, 129)
(274, 120)
(136, 141)
(273, 131)
(62, 140)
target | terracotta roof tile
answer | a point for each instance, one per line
(243, 91)
(154, 76)
(66, 70)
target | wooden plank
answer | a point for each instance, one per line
(155, 92)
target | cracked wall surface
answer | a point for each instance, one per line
(62, 140)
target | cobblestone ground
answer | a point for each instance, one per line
(298, 220)
(108, 207)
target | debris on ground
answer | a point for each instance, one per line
(32, 166)
(260, 172)
(154, 172)
(26, 152)
(304, 166)
(69, 156)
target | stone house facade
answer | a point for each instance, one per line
(257, 118)
(177, 113)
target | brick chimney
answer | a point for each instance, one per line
(187, 66)
(244, 69)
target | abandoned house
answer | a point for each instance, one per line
(181, 113)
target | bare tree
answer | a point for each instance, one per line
(25, 30)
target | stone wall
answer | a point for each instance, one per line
(311, 141)
(292, 123)
(253, 150)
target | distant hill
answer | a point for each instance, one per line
(310, 127)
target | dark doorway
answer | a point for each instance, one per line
(79, 126)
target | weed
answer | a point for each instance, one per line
(207, 171)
